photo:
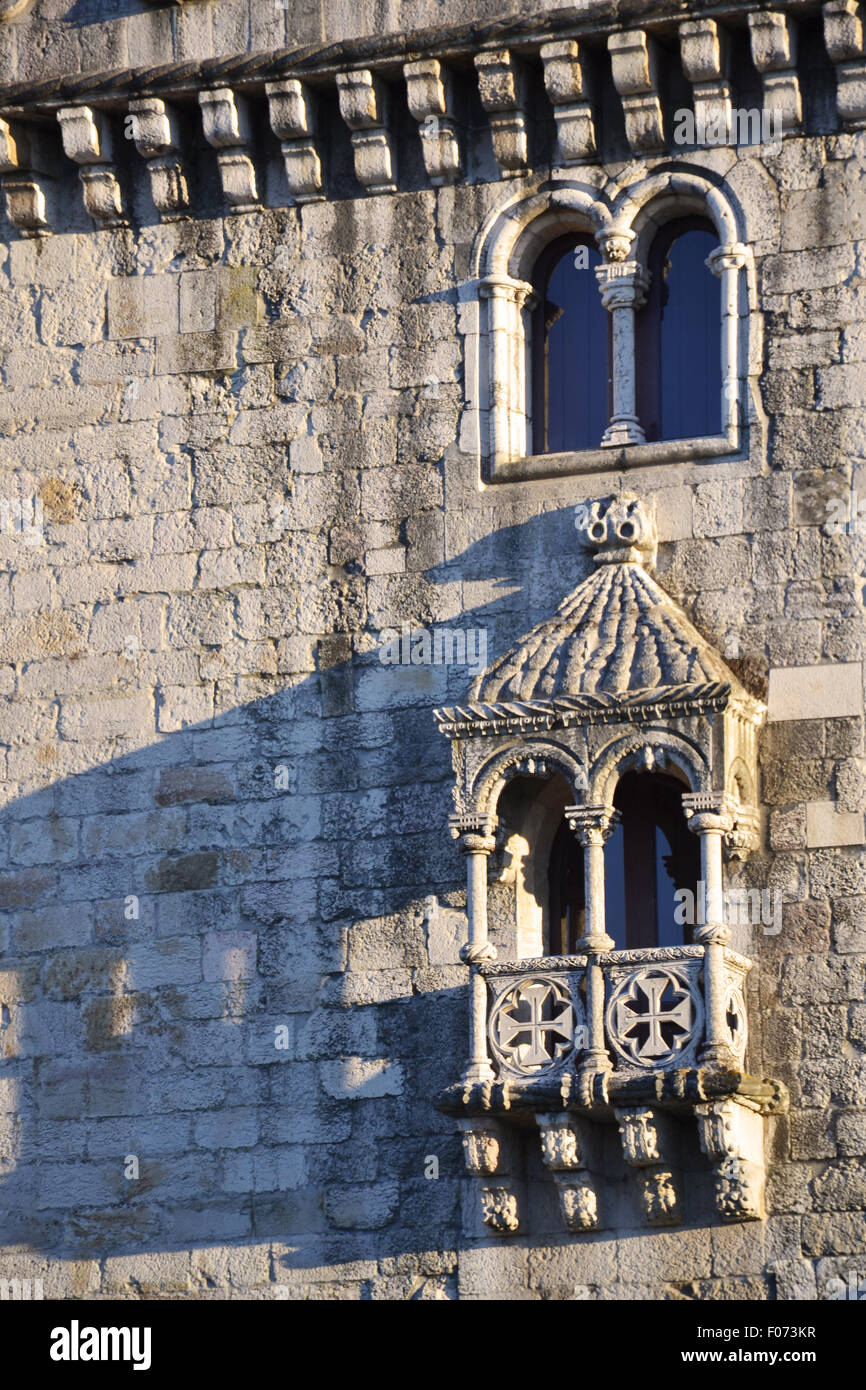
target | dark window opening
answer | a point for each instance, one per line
(678, 348)
(570, 354)
(650, 855)
(567, 903)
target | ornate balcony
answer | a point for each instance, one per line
(618, 681)
(637, 1061)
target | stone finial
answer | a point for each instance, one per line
(502, 86)
(153, 127)
(773, 39)
(292, 111)
(226, 124)
(567, 86)
(364, 107)
(86, 136)
(623, 530)
(633, 57)
(428, 86)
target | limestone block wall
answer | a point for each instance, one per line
(230, 465)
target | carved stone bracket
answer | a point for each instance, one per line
(731, 1135)
(156, 137)
(87, 141)
(650, 1145)
(364, 108)
(488, 1151)
(501, 85)
(226, 124)
(570, 1150)
(634, 63)
(703, 57)
(23, 191)
(843, 37)
(566, 83)
(293, 120)
(773, 38)
(429, 90)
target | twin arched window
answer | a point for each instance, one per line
(677, 366)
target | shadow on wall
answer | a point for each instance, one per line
(220, 1022)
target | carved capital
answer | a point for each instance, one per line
(592, 825)
(475, 834)
(623, 284)
(731, 257)
(709, 813)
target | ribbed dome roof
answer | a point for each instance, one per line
(616, 633)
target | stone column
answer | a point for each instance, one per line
(623, 286)
(507, 299)
(593, 825)
(476, 840)
(709, 817)
(726, 262)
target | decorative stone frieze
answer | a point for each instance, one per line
(292, 109)
(226, 124)
(843, 36)
(157, 139)
(634, 62)
(773, 38)
(703, 58)
(501, 86)
(429, 91)
(87, 140)
(364, 108)
(566, 81)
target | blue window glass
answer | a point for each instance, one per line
(679, 336)
(570, 351)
